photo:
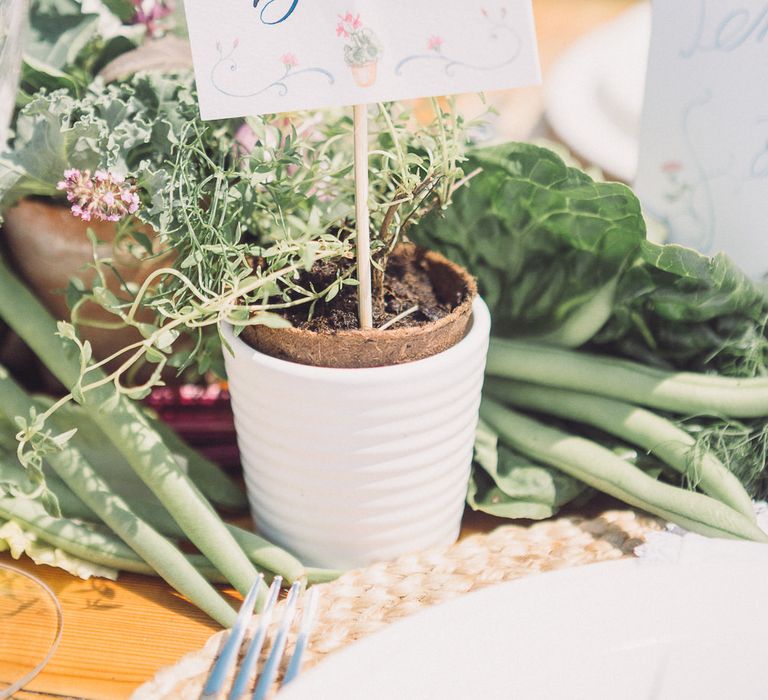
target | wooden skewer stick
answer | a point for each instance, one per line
(364, 291)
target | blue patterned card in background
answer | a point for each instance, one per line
(704, 133)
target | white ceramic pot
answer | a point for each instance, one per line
(346, 467)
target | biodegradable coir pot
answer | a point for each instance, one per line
(367, 458)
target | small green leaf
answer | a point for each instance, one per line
(154, 356)
(138, 393)
(105, 298)
(62, 439)
(143, 240)
(86, 353)
(66, 330)
(271, 320)
(77, 393)
(333, 292)
(75, 291)
(239, 315)
(50, 502)
(166, 339)
(147, 329)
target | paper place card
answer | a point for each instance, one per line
(268, 56)
(704, 135)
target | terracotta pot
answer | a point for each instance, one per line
(48, 246)
(349, 466)
(365, 74)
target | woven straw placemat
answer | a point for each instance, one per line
(364, 601)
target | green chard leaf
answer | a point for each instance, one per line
(542, 238)
(509, 485)
(58, 31)
(681, 309)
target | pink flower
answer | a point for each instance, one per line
(348, 23)
(246, 140)
(289, 60)
(672, 167)
(150, 13)
(435, 43)
(104, 197)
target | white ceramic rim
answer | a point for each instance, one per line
(476, 336)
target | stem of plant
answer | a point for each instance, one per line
(363, 218)
(127, 427)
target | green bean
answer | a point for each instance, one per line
(217, 487)
(150, 545)
(604, 471)
(92, 543)
(266, 555)
(270, 559)
(637, 426)
(12, 473)
(127, 428)
(317, 576)
(685, 393)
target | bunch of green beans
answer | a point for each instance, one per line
(228, 553)
(615, 396)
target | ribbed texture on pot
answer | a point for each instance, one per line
(346, 467)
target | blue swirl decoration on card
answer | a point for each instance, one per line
(500, 32)
(759, 166)
(272, 16)
(688, 204)
(227, 64)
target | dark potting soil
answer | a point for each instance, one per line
(406, 284)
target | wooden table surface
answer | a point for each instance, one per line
(118, 635)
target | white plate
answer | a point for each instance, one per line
(594, 93)
(629, 630)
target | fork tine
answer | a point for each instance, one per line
(307, 621)
(254, 648)
(278, 647)
(228, 654)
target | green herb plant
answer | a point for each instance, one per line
(240, 209)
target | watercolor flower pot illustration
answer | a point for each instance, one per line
(365, 74)
(362, 49)
(367, 457)
(48, 247)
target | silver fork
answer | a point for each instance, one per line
(266, 676)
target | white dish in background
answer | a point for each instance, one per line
(594, 93)
(632, 629)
